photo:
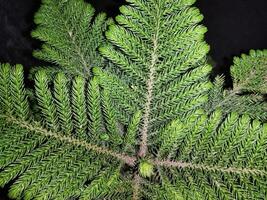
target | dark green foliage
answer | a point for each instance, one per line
(252, 104)
(147, 124)
(5, 101)
(78, 99)
(62, 101)
(150, 61)
(72, 33)
(94, 108)
(249, 87)
(249, 72)
(43, 154)
(45, 101)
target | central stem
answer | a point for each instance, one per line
(150, 84)
(149, 97)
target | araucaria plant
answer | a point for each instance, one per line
(127, 111)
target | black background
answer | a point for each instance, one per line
(235, 27)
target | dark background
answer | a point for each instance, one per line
(235, 27)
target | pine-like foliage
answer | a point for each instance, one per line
(160, 61)
(252, 104)
(66, 154)
(135, 129)
(249, 87)
(249, 72)
(71, 34)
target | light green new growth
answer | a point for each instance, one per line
(144, 123)
(146, 169)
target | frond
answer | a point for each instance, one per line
(13, 95)
(159, 57)
(250, 72)
(94, 108)
(78, 99)
(5, 95)
(132, 133)
(233, 100)
(103, 186)
(71, 34)
(45, 100)
(224, 159)
(110, 119)
(249, 83)
(42, 158)
(62, 101)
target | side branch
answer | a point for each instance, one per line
(71, 140)
(184, 165)
(236, 90)
(136, 186)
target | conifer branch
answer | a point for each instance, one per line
(71, 33)
(249, 71)
(184, 165)
(136, 128)
(129, 160)
(235, 91)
